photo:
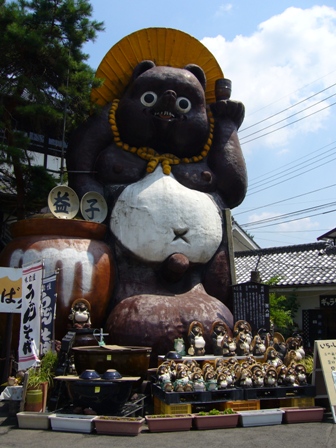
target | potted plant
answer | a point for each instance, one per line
(215, 419)
(121, 426)
(169, 422)
(40, 379)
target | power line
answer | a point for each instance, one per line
(287, 108)
(296, 175)
(291, 220)
(286, 118)
(289, 124)
(296, 165)
(284, 200)
(297, 90)
(297, 212)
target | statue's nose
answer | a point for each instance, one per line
(168, 99)
(170, 94)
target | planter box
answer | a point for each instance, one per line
(302, 415)
(119, 426)
(182, 422)
(263, 417)
(215, 421)
(33, 420)
(71, 423)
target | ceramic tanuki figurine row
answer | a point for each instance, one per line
(241, 342)
(226, 373)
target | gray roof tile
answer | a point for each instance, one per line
(306, 264)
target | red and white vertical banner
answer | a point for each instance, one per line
(30, 315)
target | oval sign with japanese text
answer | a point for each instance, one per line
(93, 207)
(63, 202)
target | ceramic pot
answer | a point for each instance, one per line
(75, 249)
(34, 400)
(129, 361)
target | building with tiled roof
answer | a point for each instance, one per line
(307, 269)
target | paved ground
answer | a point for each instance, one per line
(308, 435)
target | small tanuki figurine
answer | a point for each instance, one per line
(196, 339)
(271, 377)
(229, 346)
(301, 374)
(241, 326)
(219, 331)
(80, 314)
(210, 379)
(258, 375)
(258, 346)
(272, 358)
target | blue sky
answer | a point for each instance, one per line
(280, 58)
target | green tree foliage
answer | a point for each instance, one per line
(282, 309)
(43, 75)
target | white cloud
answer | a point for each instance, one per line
(285, 61)
(301, 225)
(261, 216)
(223, 9)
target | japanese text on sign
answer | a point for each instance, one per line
(251, 303)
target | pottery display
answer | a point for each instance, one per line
(89, 374)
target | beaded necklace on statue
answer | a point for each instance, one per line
(153, 157)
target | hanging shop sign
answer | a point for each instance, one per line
(10, 290)
(328, 301)
(48, 313)
(30, 315)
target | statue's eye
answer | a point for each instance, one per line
(183, 104)
(148, 99)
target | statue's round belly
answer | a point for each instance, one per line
(157, 216)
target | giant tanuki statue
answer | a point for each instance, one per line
(164, 153)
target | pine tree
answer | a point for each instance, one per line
(43, 74)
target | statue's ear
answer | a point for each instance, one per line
(198, 72)
(142, 67)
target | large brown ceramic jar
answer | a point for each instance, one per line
(76, 250)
